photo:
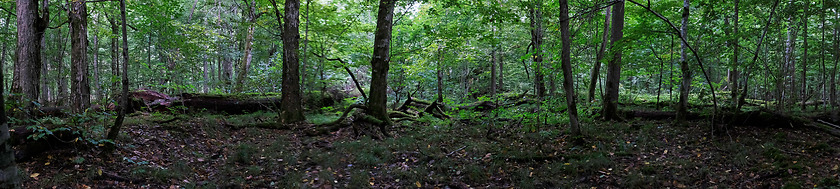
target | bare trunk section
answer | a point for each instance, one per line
(242, 74)
(8, 169)
(596, 67)
(536, 40)
(803, 75)
(96, 80)
(735, 74)
(439, 74)
(115, 129)
(614, 67)
(27, 70)
(115, 49)
(380, 63)
(568, 80)
(291, 110)
(501, 62)
(80, 85)
(493, 73)
(685, 85)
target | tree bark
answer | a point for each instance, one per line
(123, 106)
(8, 169)
(291, 110)
(568, 80)
(27, 70)
(115, 49)
(96, 80)
(80, 85)
(735, 74)
(536, 40)
(380, 63)
(493, 73)
(501, 74)
(614, 67)
(596, 67)
(250, 18)
(803, 75)
(439, 75)
(685, 85)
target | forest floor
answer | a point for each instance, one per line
(202, 151)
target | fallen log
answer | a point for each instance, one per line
(231, 104)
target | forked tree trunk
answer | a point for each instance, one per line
(734, 75)
(568, 80)
(596, 67)
(291, 110)
(614, 67)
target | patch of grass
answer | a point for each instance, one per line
(359, 179)
(772, 152)
(243, 153)
(822, 148)
(367, 152)
(321, 118)
(792, 185)
(292, 179)
(829, 183)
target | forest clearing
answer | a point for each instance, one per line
(419, 94)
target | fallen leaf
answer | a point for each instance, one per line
(47, 163)
(35, 175)
(418, 184)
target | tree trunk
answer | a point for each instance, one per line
(493, 73)
(735, 74)
(80, 86)
(439, 76)
(596, 67)
(115, 49)
(115, 129)
(291, 110)
(614, 67)
(833, 83)
(45, 67)
(27, 70)
(59, 62)
(536, 40)
(247, 56)
(803, 89)
(685, 85)
(8, 169)
(568, 80)
(501, 74)
(305, 57)
(380, 63)
(96, 81)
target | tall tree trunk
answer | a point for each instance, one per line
(115, 129)
(305, 57)
(115, 49)
(685, 85)
(735, 74)
(59, 62)
(45, 66)
(291, 110)
(3, 51)
(439, 74)
(536, 40)
(596, 67)
(566, 60)
(80, 86)
(501, 74)
(27, 71)
(96, 80)
(206, 68)
(380, 63)
(833, 83)
(8, 169)
(242, 74)
(493, 73)
(803, 77)
(614, 66)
